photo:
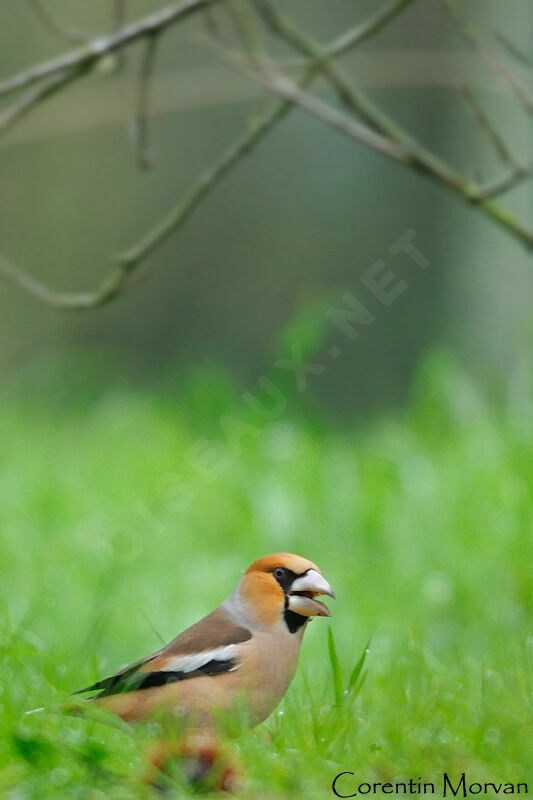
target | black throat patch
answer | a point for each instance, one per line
(293, 621)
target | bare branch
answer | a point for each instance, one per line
(207, 181)
(469, 192)
(65, 301)
(211, 23)
(513, 49)
(369, 28)
(472, 35)
(371, 126)
(118, 18)
(244, 144)
(354, 36)
(413, 152)
(33, 97)
(349, 94)
(282, 86)
(141, 124)
(129, 261)
(506, 183)
(57, 26)
(245, 27)
(354, 98)
(485, 123)
(85, 57)
(118, 14)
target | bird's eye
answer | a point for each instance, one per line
(279, 573)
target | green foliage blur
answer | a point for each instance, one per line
(118, 531)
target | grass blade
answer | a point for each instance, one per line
(312, 708)
(335, 668)
(354, 677)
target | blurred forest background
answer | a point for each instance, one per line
(291, 228)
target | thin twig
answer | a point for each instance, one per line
(141, 123)
(259, 126)
(118, 18)
(380, 143)
(413, 152)
(485, 123)
(126, 272)
(472, 35)
(129, 261)
(349, 93)
(506, 183)
(369, 28)
(354, 98)
(118, 14)
(66, 301)
(57, 26)
(346, 41)
(33, 97)
(383, 136)
(163, 19)
(87, 56)
(513, 49)
(239, 11)
(363, 31)
(469, 192)
(204, 185)
(211, 23)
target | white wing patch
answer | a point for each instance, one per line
(195, 661)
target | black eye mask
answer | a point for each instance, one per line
(284, 577)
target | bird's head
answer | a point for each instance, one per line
(285, 586)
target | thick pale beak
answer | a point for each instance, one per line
(312, 581)
(301, 597)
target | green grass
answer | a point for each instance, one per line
(113, 537)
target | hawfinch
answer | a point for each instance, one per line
(246, 648)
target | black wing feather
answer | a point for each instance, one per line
(123, 678)
(220, 632)
(132, 679)
(162, 677)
